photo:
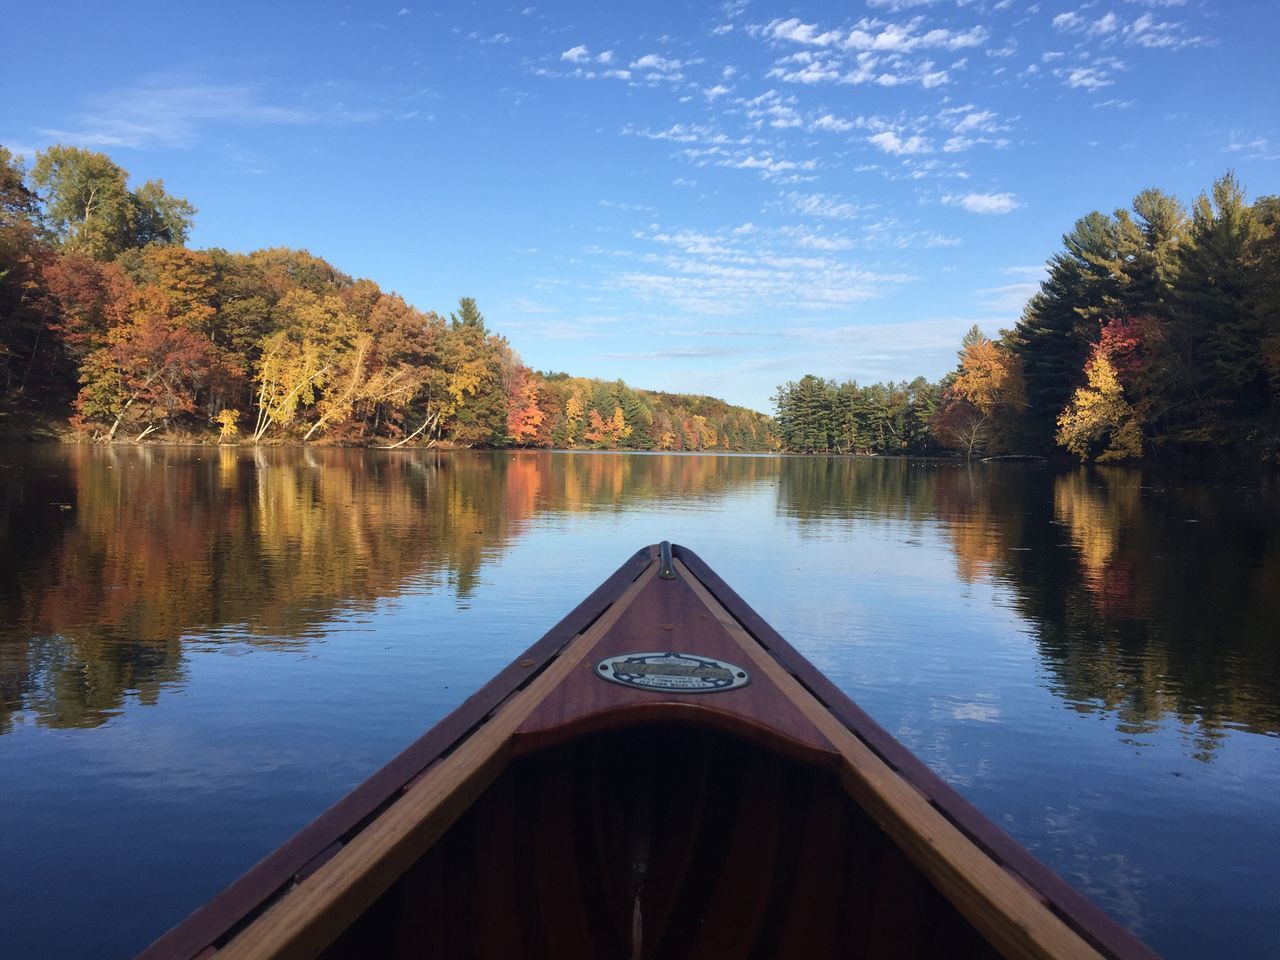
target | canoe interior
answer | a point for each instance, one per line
(662, 842)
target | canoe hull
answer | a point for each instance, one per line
(555, 814)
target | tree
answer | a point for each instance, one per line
(289, 373)
(990, 378)
(87, 205)
(159, 217)
(151, 371)
(960, 425)
(1216, 331)
(1060, 322)
(524, 416)
(89, 208)
(806, 414)
(24, 305)
(574, 410)
(1098, 422)
(468, 315)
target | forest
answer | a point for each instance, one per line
(1156, 333)
(107, 318)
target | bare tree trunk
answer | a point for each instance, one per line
(265, 415)
(425, 424)
(125, 409)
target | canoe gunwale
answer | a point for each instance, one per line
(1072, 907)
(559, 650)
(248, 897)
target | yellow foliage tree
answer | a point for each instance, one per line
(991, 379)
(574, 409)
(228, 422)
(1099, 414)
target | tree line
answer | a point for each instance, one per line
(1155, 333)
(106, 312)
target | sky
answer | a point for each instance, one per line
(709, 198)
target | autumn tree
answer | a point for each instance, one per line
(24, 307)
(89, 208)
(151, 370)
(524, 416)
(1099, 423)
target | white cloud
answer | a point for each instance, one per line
(1145, 31)
(798, 32)
(651, 61)
(983, 202)
(890, 142)
(1085, 78)
(719, 90)
(822, 205)
(768, 166)
(810, 72)
(734, 271)
(831, 124)
(680, 133)
(897, 6)
(771, 109)
(983, 120)
(872, 35)
(580, 54)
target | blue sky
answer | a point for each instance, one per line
(713, 198)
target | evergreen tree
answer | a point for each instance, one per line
(468, 315)
(1216, 329)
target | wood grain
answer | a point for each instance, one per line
(1004, 910)
(323, 905)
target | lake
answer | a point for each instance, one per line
(201, 649)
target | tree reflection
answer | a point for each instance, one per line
(1150, 598)
(113, 556)
(1149, 601)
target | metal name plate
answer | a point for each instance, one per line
(672, 672)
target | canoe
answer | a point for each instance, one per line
(660, 776)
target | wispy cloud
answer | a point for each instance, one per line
(983, 202)
(737, 270)
(823, 205)
(1143, 31)
(873, 35)
(166, 113)
(1009, 298)
(677, 353)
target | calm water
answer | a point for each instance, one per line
(201, 650)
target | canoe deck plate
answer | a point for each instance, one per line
(672, 672)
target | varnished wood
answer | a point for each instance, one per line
(666, 615)
(215, 921)
(324, 904)
(578, 817)
(748, 890)
(1009, 914)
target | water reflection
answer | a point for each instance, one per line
(112, 556)
(1151, 599)
(1148, 600)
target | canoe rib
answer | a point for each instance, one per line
(300, 899)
